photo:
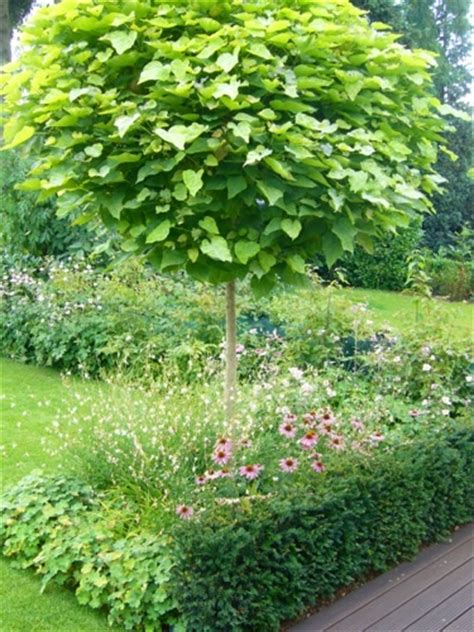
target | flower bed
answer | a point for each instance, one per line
(248, 564)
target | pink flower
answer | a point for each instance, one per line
(309, 439)
(287, 429)
(290, 418)
(376, 437)
(224, 444)
(221, 457)
(250, 471)
(211, 475)
(414, 412)
(318, 466)
(357, 425)
(336, 442)
(326, 415)
(309, 418)
(201, 480)
(246, 443)
(224, 473)
(289, 464)
(239, 349)
(184, 512)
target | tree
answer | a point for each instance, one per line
(12, 13)
(230, 139)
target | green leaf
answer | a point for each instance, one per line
(279, 168)
(346, 233)
(226, 61)
(273, 225)
(121, 40)
(260, 50)
(292, 227)
(332, 249)
(179, 135)
(123, 123)
(209, 225)
(193, 254)
(358, 180)
(193, 180)
(22, 136)
(160, 233)
(216, 248)
(94, 150)
(262, 286)
(180, 192)
(266, 260)
(241, 130)
(245, 250)
(296, 263)
(272, 193)
(154, 71)
(172, 258)
(235, 185)
(256, 155)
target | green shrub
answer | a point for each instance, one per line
(386, 268)
(60, 527)
(452, 267)
(252, 566)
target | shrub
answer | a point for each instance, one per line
(255, 565)
(452, 267)
(59, 527)
(386, 268)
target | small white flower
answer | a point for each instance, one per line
(469, 378)
(426, 367)
(445, 412)
(295, 373)
(445, 399)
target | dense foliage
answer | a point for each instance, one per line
(387, 267)
(211, 140)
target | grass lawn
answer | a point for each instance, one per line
(399, 311)
(30, 398)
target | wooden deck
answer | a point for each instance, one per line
(433, 593)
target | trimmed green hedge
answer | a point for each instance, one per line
(254, 566)
(246, 566)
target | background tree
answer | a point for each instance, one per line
(231, 139)
(12, 13)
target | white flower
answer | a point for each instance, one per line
(306, 388)
(426, 367)
(295, 373)
(445, 412)
(445, 399)
(331, 392)
(469, 378)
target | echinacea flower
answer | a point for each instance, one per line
(357, 425)
(224, 473)
(287, 429)
(376, 437)
(211, 475)
(318, 466)
(336, 442)
(289, 464)
(309, 439)
(290, 418)
(221, 457)
(184, 512)
(245, 443)
(250, 471)
(201, 480)
(309, 418)
(224, 444)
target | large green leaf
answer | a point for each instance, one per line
(123, 123)
(160, 233)
(235, 185)
(216, 248)
(292, 227)
(245, 250)
(154, 71)
(180, 135)
(121, 40)
(193, 180)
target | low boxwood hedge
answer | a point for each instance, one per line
(250, 565)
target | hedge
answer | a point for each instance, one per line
(254, 566)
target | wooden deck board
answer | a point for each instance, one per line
(441, 568)
(445, 612)
(463, 623)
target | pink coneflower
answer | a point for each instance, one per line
(290, 417)
(309, 439)
(309, 418)
(250, 471)
(289, 464)
(376, 437)
(317, 456)
(336, 442)
(224, 473)
(414, 412)
(224, 444)
(201, 480)
(184, 512)
(357, 425)
(211, 475)
(326, 415)
(318, 466)
(245, 443)
(239, 349)
(287, 429)
(221, 457)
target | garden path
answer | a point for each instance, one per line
(432, 593)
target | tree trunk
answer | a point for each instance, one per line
(230, 353)
(5, 33)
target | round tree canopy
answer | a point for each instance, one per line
(228, 138)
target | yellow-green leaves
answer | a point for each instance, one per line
(160, 233)
(154, 71)
(180, 135)
(292, 227)
(193, 180)
(216, 248)
(21, 137)
(121, 41)
(123, 123)
(245, 250)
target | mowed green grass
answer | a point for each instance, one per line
(400, 311)
(31, 398)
